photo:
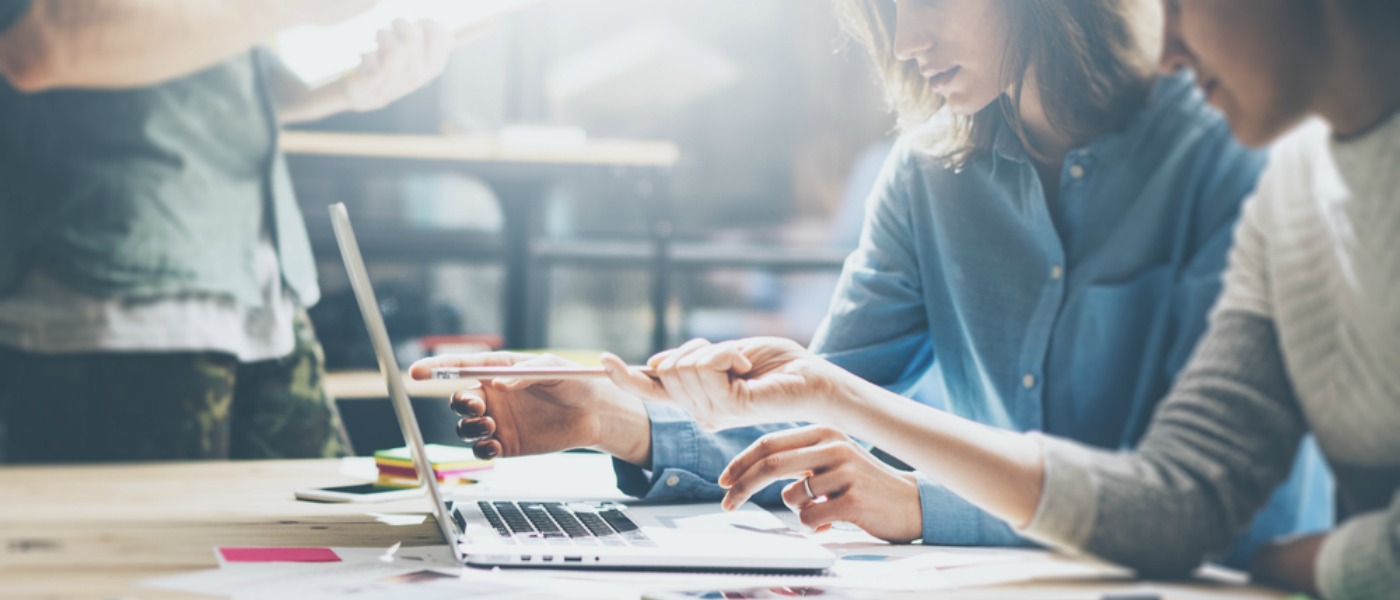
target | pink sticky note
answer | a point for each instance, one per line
(279, 555)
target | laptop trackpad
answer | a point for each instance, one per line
(711, 519)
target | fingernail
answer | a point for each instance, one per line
(486, 452)
(472, 429)
(461, 407)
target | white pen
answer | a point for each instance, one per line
(528, 372)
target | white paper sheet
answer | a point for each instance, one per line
(427, 573)
(433, 573)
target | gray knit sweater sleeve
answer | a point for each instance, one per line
(1218, 445)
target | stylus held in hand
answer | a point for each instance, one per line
(528, 372)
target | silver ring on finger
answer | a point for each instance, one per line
(807, 485)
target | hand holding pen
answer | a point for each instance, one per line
(536, 404)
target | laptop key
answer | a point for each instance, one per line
(617, 520)
(492, 518)
(595, 524)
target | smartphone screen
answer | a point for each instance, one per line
(360, 492)
(362, 489)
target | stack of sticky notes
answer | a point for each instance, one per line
(451, 466)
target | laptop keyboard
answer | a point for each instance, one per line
(556, 524)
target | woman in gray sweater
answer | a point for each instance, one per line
(1306, 337)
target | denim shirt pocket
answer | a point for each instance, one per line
(1114, 331)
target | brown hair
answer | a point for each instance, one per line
(1091, 58)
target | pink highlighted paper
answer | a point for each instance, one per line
(262, 555)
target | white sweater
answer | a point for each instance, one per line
(1305, 337)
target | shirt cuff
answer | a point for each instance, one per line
(1358, 561)
(1064, 518)
(675, 457)
(950, 520)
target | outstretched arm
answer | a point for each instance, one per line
(1217, 447)
(134, 43)
(409, 56)
(765, 380)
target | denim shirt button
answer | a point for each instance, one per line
(673, 480)
(1076, 171)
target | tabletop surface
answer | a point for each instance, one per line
(96, 531)
(481, 148)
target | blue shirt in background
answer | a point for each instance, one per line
(1072, 319)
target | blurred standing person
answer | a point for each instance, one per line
(154, 267)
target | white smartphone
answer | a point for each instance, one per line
(360, 492)
(770, 592)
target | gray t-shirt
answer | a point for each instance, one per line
(157, 218)
(1306, 337)
(47, 317)
(150, 191)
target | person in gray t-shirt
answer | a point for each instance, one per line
(154, 267)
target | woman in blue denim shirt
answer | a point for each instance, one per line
(1043, 246)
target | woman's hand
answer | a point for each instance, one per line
(410, 54)
(1290, 563)
(846, 483)
(517, 417)
(735, 384)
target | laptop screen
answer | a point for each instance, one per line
(389, 366)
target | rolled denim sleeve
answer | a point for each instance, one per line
(688, 460)
(950, 520)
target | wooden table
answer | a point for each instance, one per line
(521, 175)
(96, 531)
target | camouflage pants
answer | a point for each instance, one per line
(167, 406)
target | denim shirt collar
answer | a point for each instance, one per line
(1007, 146)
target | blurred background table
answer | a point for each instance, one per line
(520, 174)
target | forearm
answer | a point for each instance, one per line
(1217, 447)
(298, 103)
(130, 43)
(409, 56)
(950, 520)
(627, 434)
(999, 471)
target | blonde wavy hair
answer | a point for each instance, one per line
(1093, 62)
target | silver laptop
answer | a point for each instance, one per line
(514, 532)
